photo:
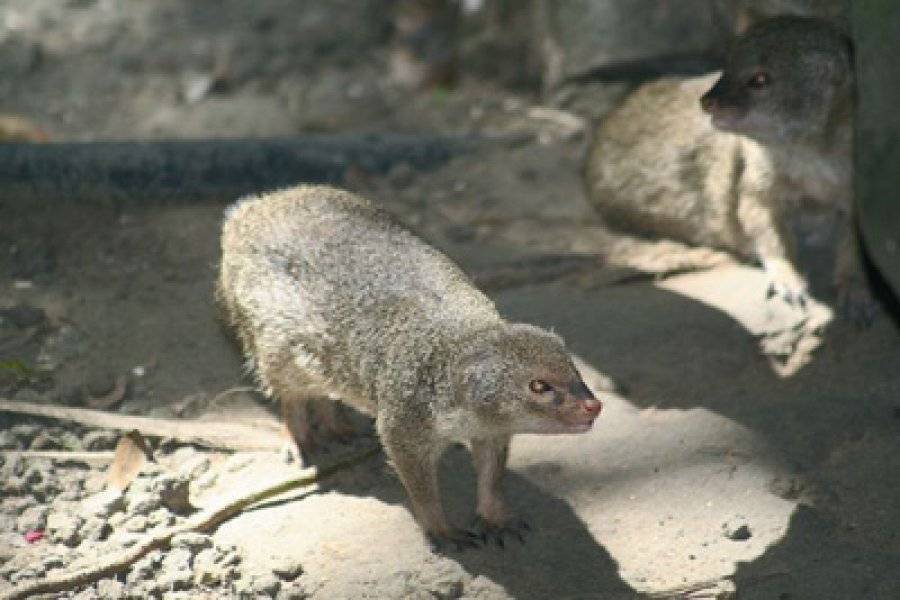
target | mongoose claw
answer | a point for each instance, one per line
(458, 540)
(490, 532)
(786, 284)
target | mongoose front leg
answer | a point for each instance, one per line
(492, 520)
(854, 298)
(415, 460)
(765, 224)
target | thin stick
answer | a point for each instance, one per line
(212, 434)
(204, 521)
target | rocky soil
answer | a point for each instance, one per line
(713, 471)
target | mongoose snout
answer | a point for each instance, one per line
(332, 299)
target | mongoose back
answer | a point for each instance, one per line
(331, 299)
(777, 133)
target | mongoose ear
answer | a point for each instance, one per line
(478, 377)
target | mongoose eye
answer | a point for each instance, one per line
(759, 80)
(539, 386)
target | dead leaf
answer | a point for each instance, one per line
(130, 456)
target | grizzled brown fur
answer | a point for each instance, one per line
(332, 299)
(724, 160)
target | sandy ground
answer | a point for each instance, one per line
(703, 437)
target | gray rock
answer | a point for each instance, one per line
(173, 492)
(177, 559)
(161, 517)
(136, 524)
(9, 441)
(28, 573)
(95, 529)
(63, 528)
(292, 591)
(53, 561)
(737, 529)
(25, 431)
(34, 517)
(265, 585)
(207, 570)
(103, 503)
(189, 595)
(287, 569)
(110, 589)
(144, 568)
(194, 466)
(13, 486)
(580, 36)
(100, 439)
(175, 579)
(142, 503)
(194, 542)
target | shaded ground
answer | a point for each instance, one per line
(705, 437)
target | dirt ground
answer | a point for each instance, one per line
(711, 472)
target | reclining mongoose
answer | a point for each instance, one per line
(780, 135)
(332, 299)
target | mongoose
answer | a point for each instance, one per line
(723, 160)
(744, 13)
(332, 299)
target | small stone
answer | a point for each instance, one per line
(193, 541)
(34, 517)
(174, 492)
(8, 441)
(100, 439)
(265, 585)
(135, 524)
(175, 579)
(207, 571)
(53, 561)
(193, 466)
(177, 559)
(447, 588)
(188, 595)
(63, 528)
(32, 572)
(24, 431)
(160, 517)
(95, 529)
(737, 529)
(287, 569)
(292, 591)
(13, 486)
(103, 503)
(45, 441)
(142, 503)
(110, 589)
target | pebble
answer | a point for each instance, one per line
(100, 439)
(136, 524)
(9, 441)
(103, 503)
(265, 585)
(194, 542)
(142, 503)
(34, 517)
(110, 589)
(737, 529)
(63, 528)
(287, 569)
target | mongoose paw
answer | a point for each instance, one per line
(786, 283)
(494, 533)
(857, 304)
(454, 539)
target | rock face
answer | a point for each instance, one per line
(579, 36)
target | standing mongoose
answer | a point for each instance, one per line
(724, 161)
(331, 299)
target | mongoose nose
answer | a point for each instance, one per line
(708, 103)
(592, 406)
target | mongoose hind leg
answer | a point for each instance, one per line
(331, 421)
(493, 521)
(297, 429)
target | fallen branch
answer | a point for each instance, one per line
(204, 521)
(97, 456)
(211, 434)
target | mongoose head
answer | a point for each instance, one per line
(784, 81)
(520, 379)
